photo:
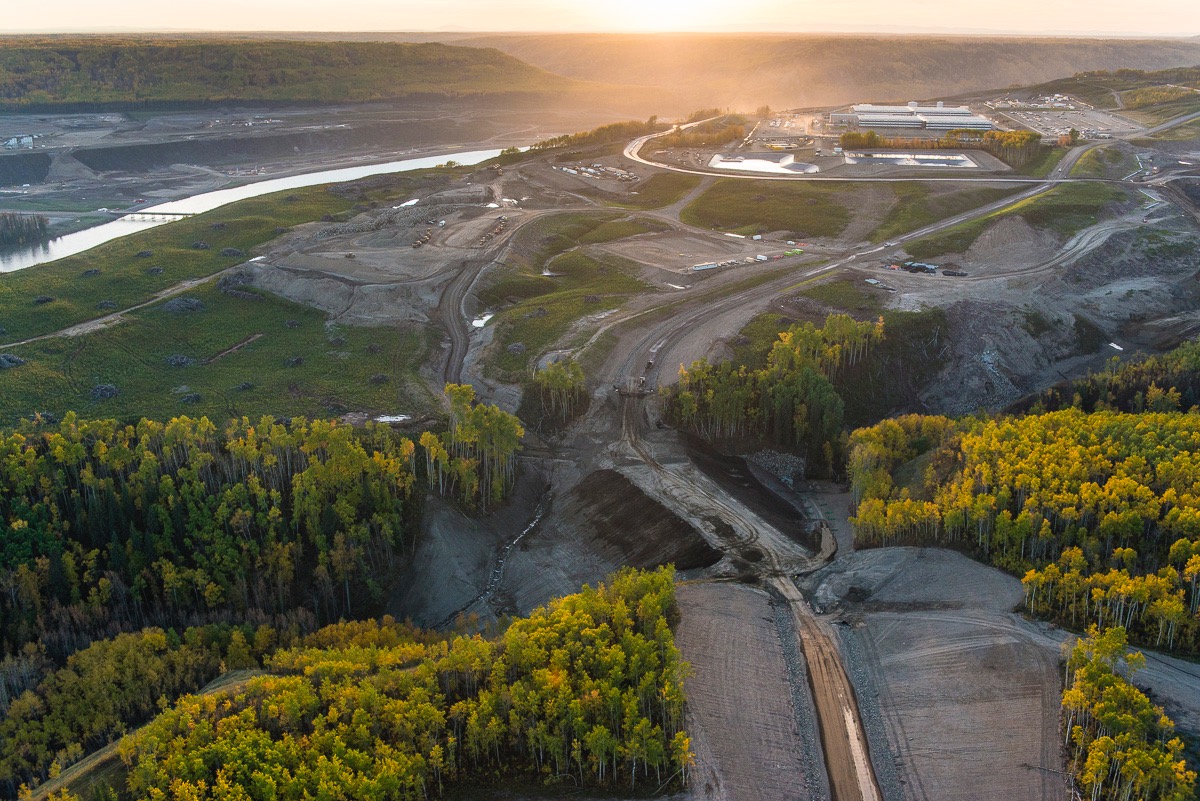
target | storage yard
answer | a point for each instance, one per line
(1054, 117)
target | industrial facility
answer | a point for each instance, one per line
(867, 116)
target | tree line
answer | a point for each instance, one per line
(790, 402)
(22, 229)
(602, 135)
(1162, 383)
(1097, 511)
(475, 460)
(1016, 148)
(110, 72)
(585, 692)
(1121, 746)
(561, 389)
(107, 527)
(114, 685)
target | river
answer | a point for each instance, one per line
(63, 246)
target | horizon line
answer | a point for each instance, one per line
(865, 31)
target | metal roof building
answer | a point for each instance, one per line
(912, 116)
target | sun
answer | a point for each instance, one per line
(663, 15)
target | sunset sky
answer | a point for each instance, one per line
(1108, 17)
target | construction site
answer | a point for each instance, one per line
(879, 674)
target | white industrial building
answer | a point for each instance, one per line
(912, 116)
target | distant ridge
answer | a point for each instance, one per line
(79, 73)
(790, 70)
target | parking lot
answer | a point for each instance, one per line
(1092, 123)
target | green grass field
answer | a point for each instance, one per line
(124, 278)
(585, 285)
(257, 338)
(754, 207)
(1041, 166)
(659, 190)
(916, 206)
(543, 308)
(1064, 210)
(851, 296)
(1104, 162)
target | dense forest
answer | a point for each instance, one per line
(97, 73)
(22, 229)
(1121, 745)
(1163, 383)
(110, 527)
(1094, 505)
(110, 687)
(585, 692)
(1098, 511)
(790, 402)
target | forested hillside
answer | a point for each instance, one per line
(107, 527)
(94, 73)
(585, 692)
(790, 402)
(1098, 511)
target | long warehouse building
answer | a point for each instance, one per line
(913, 116)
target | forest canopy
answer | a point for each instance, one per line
(585, 692)
(52, 73)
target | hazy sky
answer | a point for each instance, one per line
(1109, 17)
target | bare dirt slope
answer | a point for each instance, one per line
(747, 740)
(959, 700)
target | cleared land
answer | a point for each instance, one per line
(747, 743)
(744, 207)
(938, 662)
(209, 353)
(1064, 210)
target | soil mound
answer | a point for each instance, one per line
(608, 510)
(1012, 241)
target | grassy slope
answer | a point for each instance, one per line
(917, 207)
(546, 307)
(61, 373)
(751, 207)
(1065, 210)
(1104, 162)
(123, 275)
(334, 377)
(659, 190)
(128, 71)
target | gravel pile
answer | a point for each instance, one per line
(233, 253)
(787, 467)
(8, 361)
(872, 717)
(183, 304)
(806, 719)
(412, 215)
(231, 284)
(106, 304)
(104, 392)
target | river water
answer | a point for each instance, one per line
(20, 258)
